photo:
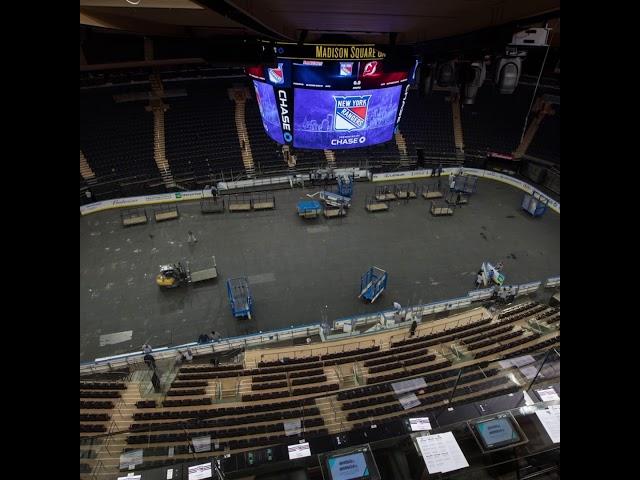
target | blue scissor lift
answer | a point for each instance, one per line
(372, 283)
(345, 185)
(240, 297)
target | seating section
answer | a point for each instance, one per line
(200, 132)
(546, 142)
(267, 153)
(427, 123)
(201, 139)
(291, 399)
(495, 121)
(116, 138)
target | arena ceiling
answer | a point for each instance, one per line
(363, 20)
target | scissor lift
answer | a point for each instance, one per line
(372, 283)
(240, 297)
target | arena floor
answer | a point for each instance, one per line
(299, 270)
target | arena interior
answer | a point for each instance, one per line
(319, 241)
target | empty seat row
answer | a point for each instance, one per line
(269, 378)
(318, 389)
(224, 411)
(92, 428)
(443, 333)
(103, 386)
(268, 385)
(520, 316)
(198, 423)
(548, 313)
(187, 402)
(86, 404)
(517, 309)
(408, 373)
(221, 433)
(506, 346)
(307, 373)
(94, 417)
(288, 361)
(185, 392)
(189, 384)
(307, 380)
(492, 340)
(554, 319)
(350, 353)
(482, 336)
(100, 394)
(404, 363)
(254, 397)
(207, 368)
(533, 348)
(380, 361)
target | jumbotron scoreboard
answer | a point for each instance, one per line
(332, 96)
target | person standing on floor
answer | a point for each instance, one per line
(192, 237)
(479, 279)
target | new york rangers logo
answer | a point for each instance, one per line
(346, 69)
(351, 112)
(276, 75)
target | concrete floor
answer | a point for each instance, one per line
(298, 270)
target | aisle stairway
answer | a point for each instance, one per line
(457, 121)
(85, 170)
(331, 158)
(543, 109)
(158, 108)
(243, 137)
(402, 147)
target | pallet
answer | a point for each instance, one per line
(382, 197)
(134, 220)
(377, 207)
(334, 212)
(240, 207)
(268, 205)
(439, 211)
(403, 195)
(166, 215)
(429, 195)
(309, 214)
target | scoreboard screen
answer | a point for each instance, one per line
(339, 103)
(344, 118)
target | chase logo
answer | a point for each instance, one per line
(351, 112)
(276, 75)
